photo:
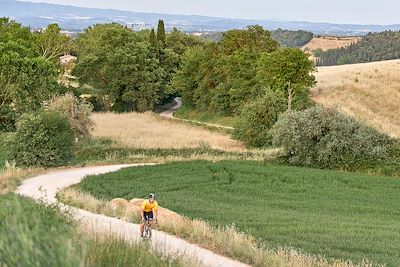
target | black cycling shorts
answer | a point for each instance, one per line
(148, 216)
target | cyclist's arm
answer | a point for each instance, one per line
(142, 214)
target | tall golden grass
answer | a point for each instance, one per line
(226, 241)
(369, 91)
(11, 176)
(147, 130)
(329, 42)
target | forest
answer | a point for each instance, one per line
(373, 47)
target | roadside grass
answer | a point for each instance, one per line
(148, 131)
(337, 215)
(225, 240)
(106, 250)
(33, 234)
(207, 117)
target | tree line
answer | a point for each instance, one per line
(373, 47)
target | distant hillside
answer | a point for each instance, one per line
(372, 47)
(325, 43)
(368, 91)
(289, 38)
(39, 15)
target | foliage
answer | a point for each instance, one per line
(42, 139)
(13, 31)
(372, 47)
(8, 117)
(288, 70)
(3, 152)
(131, 69)
(328, 139)
(221, 77)
(288, 38)
(161, 32)
(77, 111)
(51, 43)
(317, 211)
(257, 118)
(26, 80)
(36, 235)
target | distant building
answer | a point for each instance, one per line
(67, 59)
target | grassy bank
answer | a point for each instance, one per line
(206, 117)
(346, 216)
(36, 235)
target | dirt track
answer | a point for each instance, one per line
(45, 187)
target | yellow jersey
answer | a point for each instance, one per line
(148, 207)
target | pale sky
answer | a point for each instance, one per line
(335, 11)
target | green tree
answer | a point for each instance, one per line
(25, 80)
(161, 32)
(51, 43)
(288, 70)
(153, 39)
(257, 118)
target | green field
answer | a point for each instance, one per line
(337, 215)
(206, 117)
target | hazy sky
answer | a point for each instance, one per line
(336, 11)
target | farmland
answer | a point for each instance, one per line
(369, 91)
(149, 131)
(346, 216)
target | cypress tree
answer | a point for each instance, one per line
(161, 32)
(153, 39)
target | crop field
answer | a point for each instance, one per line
(150, 131)
(368, 91)
(327, 213)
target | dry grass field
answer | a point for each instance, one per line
(369, 91)
(150, 131)
(329, 42)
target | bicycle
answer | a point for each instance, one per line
(147, 229)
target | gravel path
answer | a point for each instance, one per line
(46, 186)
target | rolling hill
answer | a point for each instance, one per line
(368, 91)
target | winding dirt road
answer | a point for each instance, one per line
(45, 187)
(178, 103)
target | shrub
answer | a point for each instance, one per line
(8, 117)
(257, 118)
(42, 139)
(325, 138)
(77, 111)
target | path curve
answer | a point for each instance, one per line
(45, 187)
(169, 113)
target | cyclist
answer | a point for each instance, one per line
(149, 212)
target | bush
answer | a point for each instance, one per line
(77, 111)
(257, 118)
(36, 235)
(8, 117)
(325, 138)
(42, 139)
